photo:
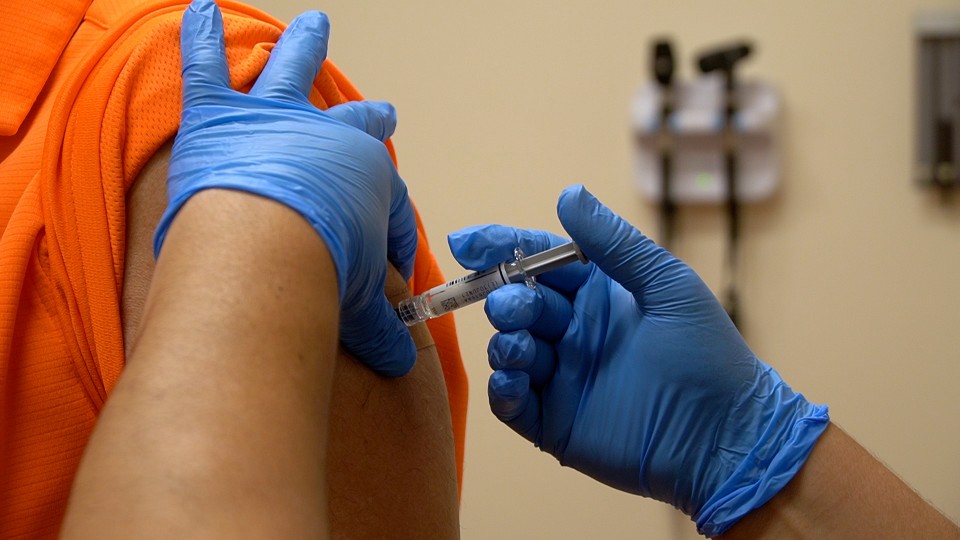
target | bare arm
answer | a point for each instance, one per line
(844, 492)
(390, 456)
(218, 426)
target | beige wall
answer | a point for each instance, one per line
(851, 274)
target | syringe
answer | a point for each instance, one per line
(474, 287)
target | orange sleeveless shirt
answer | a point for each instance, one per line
(89, 91)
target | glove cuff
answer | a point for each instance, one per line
(317, 219)
(755, 482)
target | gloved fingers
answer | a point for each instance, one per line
(295, 60)
(544, 312)
(203, 57)
(514, 403)
(520, 351)
(377, 118)
(620, 250)
(401, 229)
(376, 336)
(483, 246)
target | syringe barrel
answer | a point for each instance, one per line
(476, 286)
(456, 294)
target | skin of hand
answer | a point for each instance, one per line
(329, 166)
(629, 370)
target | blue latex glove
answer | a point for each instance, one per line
(629, 370)
(330, 166)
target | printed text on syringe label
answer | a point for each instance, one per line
(466, 290)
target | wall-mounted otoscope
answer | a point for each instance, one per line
(663, 68)
(725, 61)
(709, 140)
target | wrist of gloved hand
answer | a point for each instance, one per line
(787, 427)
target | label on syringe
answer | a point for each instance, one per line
(463, 291)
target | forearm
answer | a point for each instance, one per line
(844, 492)
(218, 426)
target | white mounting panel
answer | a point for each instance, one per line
(698, 175)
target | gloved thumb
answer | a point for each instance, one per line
(616, 247)
(376, 118)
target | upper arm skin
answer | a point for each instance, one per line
(390, 463)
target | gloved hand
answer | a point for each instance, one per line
(330, 166)
(629, 370)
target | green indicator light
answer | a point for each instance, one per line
(704, 181)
